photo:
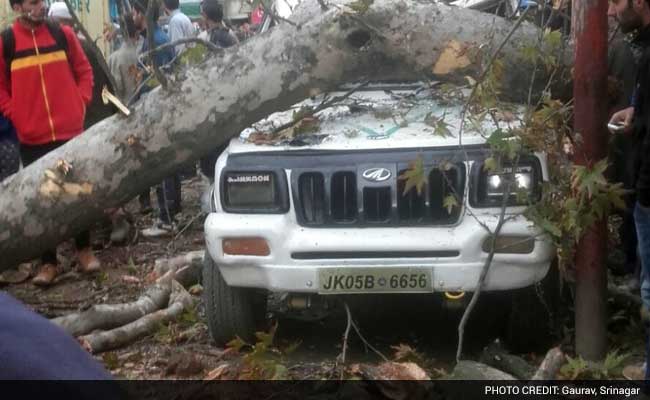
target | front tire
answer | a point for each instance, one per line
(230, 311)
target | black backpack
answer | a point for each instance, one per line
(9, 43)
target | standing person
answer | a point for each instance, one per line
(169, 191)
(218, 34)
(123, 63)
(97, 110)
(634, 15)
(180, 26)
(622, 60)
(46, 84)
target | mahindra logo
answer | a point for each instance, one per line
(376, 174)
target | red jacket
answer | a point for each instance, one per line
(49, 88)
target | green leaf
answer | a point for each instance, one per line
(361, 6)
(490, 164)
(549, 227)
(450, 202)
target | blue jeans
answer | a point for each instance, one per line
(642, 222)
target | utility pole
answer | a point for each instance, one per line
(590, 107)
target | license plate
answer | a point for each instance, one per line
(374, 280)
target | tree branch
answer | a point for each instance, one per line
(210, 46)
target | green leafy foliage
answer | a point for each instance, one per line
(578, 368)
(262, 360)
(577, 200)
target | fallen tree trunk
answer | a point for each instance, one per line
(108, 316)
(179, 300)
(64, 192)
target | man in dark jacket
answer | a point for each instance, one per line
(44, 90)
(634, 15)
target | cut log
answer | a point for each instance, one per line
(179, 300)
(550, 365)
(496, 356)
(113, 160)
(108, 316)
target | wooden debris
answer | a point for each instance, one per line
(108, 316)
(550, 365)
(179, 300)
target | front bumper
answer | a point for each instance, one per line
(280, 271)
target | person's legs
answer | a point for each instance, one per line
(50, 269)
(88, 263)
(9, 158)
(49, 265)
(642, 223)
(169, 198)
(145, 202)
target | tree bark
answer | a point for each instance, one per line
(113, 160)
(185, 268)
(179, 300)
(550, 365)
(107, 316)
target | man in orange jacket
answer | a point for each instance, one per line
(46, 83)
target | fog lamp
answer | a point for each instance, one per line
(510, 244)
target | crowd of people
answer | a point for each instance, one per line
(46, 63)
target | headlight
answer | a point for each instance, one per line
(254, 191)
(522, 184)
(521, 181)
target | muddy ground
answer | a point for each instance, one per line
(184, 350)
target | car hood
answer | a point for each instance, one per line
(424, 116)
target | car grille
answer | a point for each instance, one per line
(345, 197)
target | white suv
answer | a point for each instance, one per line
(321, 210)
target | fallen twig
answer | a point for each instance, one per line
(345, 338)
